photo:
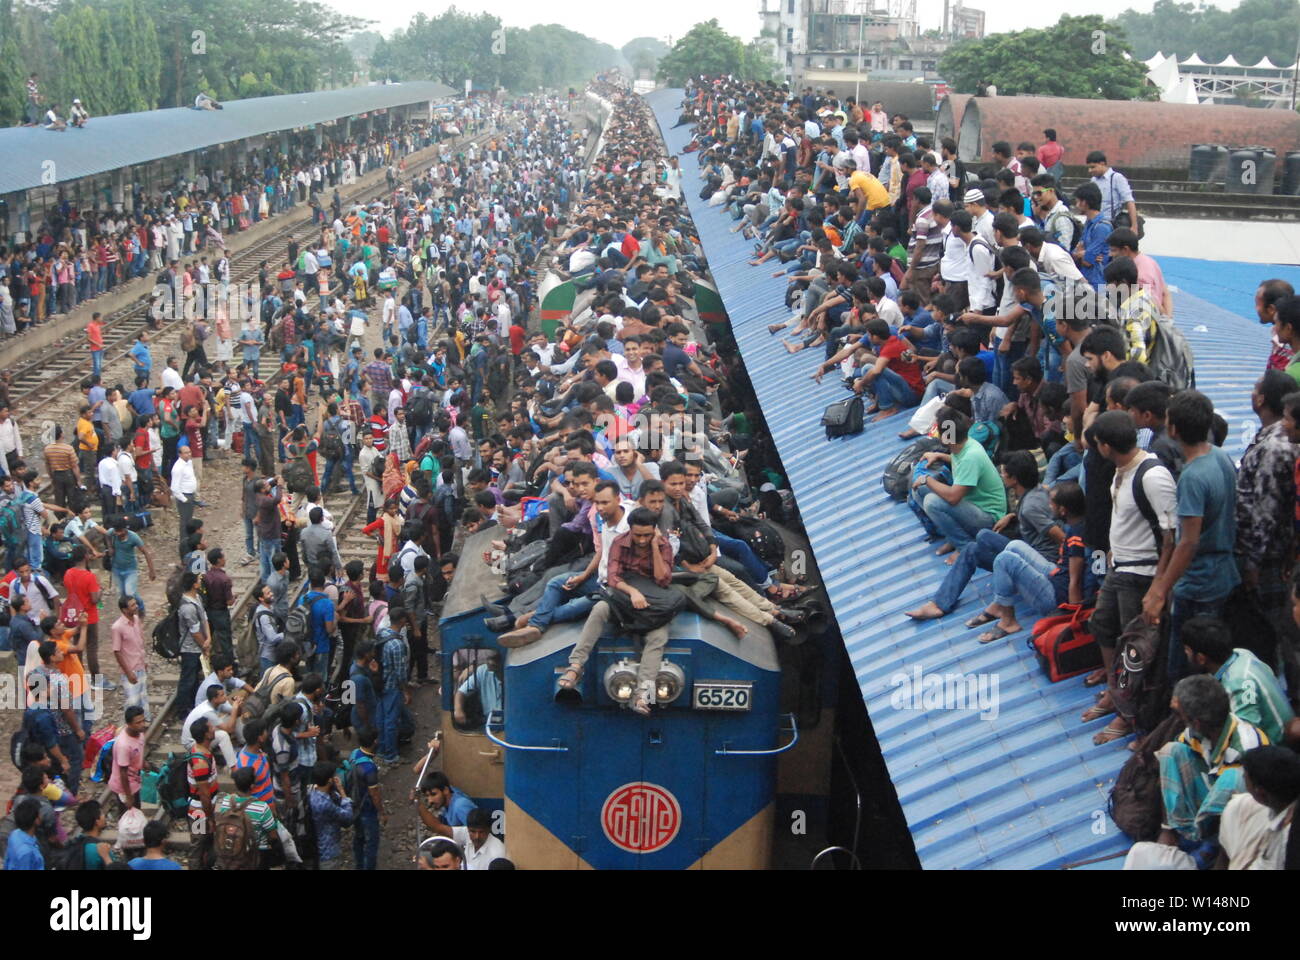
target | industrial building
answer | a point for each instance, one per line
(834, 42)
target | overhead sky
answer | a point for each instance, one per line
(616, 24)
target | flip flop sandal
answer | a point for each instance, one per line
(979, 621)
(997, 633)
(1096, 712)
(1110, 734)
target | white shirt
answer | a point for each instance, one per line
(1130, 534)
(1054, 259)
(10, 437)
(184, 483)
(202, 710)
(171, 377)
(110, 475)
(608, 535)
(1253, 836)
(979, 287)
(201, 695)
(126, 464)
(955, 265)
(492, 849)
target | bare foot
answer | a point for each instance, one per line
(884, 414)
(908, 434)
(927, 611)
(793, 347)
(944, 550)
(735, 626)
(775, 327)
(952, 558)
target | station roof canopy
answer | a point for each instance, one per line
(34, 156)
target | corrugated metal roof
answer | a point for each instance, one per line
(1022, 788)
(108, 143)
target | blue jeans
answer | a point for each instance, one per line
(958, 524)
(1050, 359)
(96, 362)
(35, 550)
(1064, 465)
(744, 554)
(365, 840)
(1002, 369)
(390, 714)
(252, 445)
(935, 388)
(893, 392)
(248, 537)
(127, 584)
(346, 461)
(266, 549)
(559, 605)
(74, 750)
(1022, 570)
(979, 554)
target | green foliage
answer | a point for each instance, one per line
(456, 46)
(122, 56)
(1079, 57)
(1253, 30)
(13, 91)
(759, 64)
(643, 54)
(705, 49)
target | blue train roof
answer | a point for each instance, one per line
(1022, 787)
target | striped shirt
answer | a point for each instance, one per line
(380, 376)
(60, 456)
(262, 786)
(395, 658)
(258, 811)
(1254, 693)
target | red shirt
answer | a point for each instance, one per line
(516, 339)
(1049, 154)
(892, 350)
(382, 234)
(631, 246)
(80, 584)
(95, 334)
(143, 461)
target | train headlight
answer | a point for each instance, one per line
(620, 681)
(670, 682)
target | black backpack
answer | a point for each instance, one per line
(420, 410)
(167, 636)
(331, 442)
(72, 856)
(843, 418)
(897, 479)
(1136, 805)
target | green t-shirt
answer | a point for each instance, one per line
(971, 467)
(1293, 370)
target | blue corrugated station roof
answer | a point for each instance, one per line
(1017, 786)
(125, 139)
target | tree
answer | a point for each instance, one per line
(13, 90)
(643, 54)
(1080, 57)
(759, 64)
(705, 49)
(1250, 32)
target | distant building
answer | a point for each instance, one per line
(827, 42)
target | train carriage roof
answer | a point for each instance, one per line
(1022, 787)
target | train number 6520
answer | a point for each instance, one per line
(723, 696)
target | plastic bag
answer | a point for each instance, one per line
(130, 829)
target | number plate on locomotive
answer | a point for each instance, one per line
(723, 696)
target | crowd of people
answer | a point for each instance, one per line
(1056, 436)
(78, 253)
(443, 267)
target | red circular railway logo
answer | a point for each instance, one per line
(641, 817)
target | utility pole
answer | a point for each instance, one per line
(857, 82)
